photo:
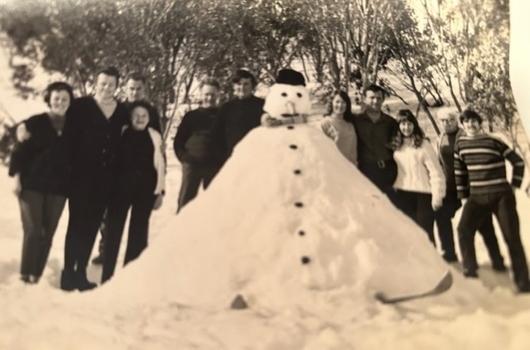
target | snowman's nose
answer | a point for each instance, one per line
(290, 108)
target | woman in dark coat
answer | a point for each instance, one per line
(40, 171)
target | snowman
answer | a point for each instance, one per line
(288, 221)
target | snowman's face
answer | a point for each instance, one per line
(285, 100)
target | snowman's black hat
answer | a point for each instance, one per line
(290, 77)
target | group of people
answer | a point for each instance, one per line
(106, 156)
(102, 155)
(430, 186)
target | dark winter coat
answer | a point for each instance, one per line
(41, 160)
(194, 141)
(236, 118)
(92, 142)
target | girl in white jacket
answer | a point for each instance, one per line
(420, 183)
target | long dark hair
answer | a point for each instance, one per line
(348, 115)
(405, 115)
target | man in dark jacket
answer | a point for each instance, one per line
(375, 130)
(194, 146)
(92, 131)
(135, 90)
(240, 115)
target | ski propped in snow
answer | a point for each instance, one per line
(445, 283)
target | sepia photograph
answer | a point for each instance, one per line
(264, 174)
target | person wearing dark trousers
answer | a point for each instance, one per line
(375, 130)
(135, 90)
(239, 115)
(92, 132)
(446, 152)
(139, 186)
(420, 183)
(194, 145)
(480, 174)
(40, 171)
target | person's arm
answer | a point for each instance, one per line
(329, 130)
(517, 164)
(72, 130)
(353, 151)
(154, 120)
(461, 174)
(182, 136)
(219, 134)
(436, 175)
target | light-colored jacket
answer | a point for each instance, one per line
(419, 170)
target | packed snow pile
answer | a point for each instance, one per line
(288, 217)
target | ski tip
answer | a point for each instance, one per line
(444, 285)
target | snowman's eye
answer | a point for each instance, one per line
(299, 95)
(284, 94)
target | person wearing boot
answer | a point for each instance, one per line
(139, 187)
(480, 174)
(40, 171)
(135, 90)
(446, 152)
(193, 144)
(92, 133)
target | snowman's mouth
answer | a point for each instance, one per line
(289, 115)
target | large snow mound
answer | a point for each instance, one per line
(287, 216)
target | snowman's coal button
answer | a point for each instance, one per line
(293, 146)
(298, 204)
(306, 260)
(301, 233)
(297, 171)
(290, 127)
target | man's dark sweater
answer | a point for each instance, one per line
(374, 138)
(194, 143)
(92, 141)
(236, 119)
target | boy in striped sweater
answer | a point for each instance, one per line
(480, 175)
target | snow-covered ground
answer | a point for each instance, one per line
(134, 313)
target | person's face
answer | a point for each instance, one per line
(471, 127)
(449, 123)
(135, 90)
(243, 88)
(406, 128)
(338, 105)
(209, 96)
(105, 86)
(374, 100)
(139, 118)
(59, 102)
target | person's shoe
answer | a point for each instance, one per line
(98, 260)
(68, 280)
(25, 278)
(450, 258)
(82, 282)
(499, 266)
(523, 287)
(470, 274)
